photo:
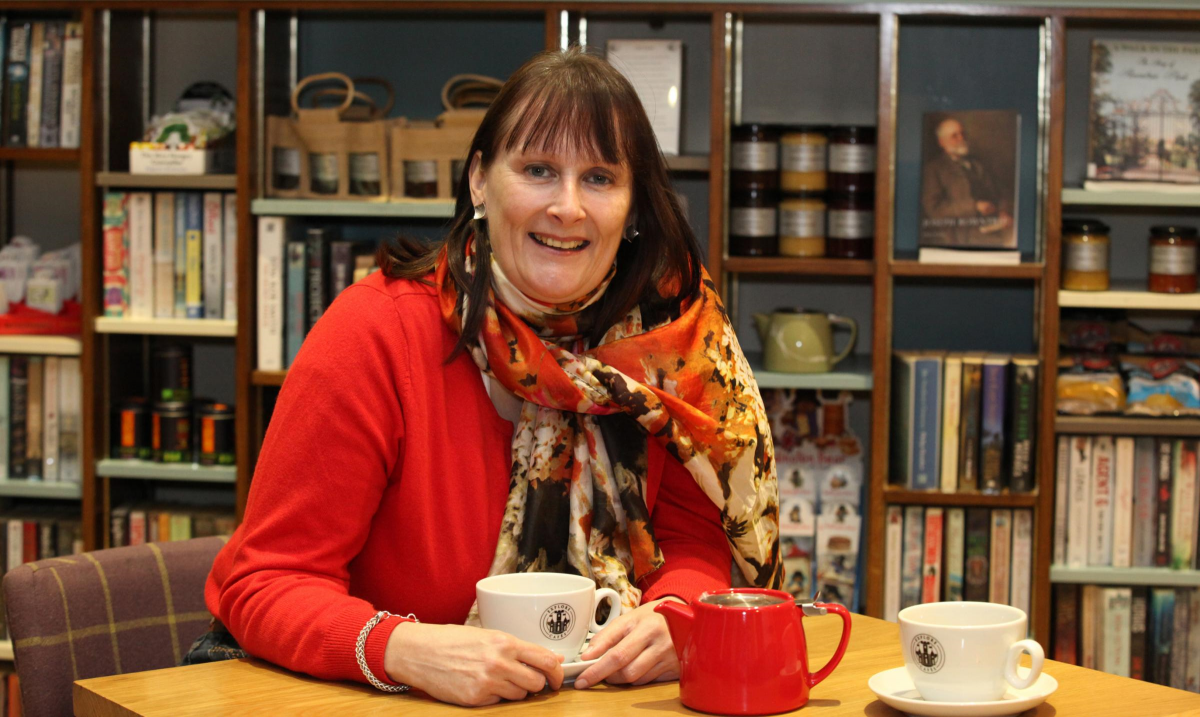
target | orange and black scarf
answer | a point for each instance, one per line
(670, 372)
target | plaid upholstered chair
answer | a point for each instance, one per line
(104, 613)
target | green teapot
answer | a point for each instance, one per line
(799, 341)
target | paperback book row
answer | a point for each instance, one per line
(137, 524)
(41, 408)
(819, 461)
(28, 535)
(943, 554)
(964, 422)
(1126, 502)
(1146, 633)
(298, 277)
(10, 694)
(170, 255)
(43, 83)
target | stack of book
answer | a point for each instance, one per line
(41, 407)
(142, 523)
(27, 535)
(297, 280)
(1150, 634)
(977, 554)
(964, 422)
(42, 83)
(170, 255)
(1126, 502)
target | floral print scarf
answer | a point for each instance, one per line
(668, 372)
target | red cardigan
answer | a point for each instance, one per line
(381, 485)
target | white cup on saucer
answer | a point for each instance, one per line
(966, 651)
(554, 610)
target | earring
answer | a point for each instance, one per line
(480, 211)
(630, 234)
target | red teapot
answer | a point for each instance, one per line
(742, 651)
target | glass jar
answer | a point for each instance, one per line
(1086, 249)
(851, 232)
(285, 163)
(753, 158)
(852, 159)
(1172, 259)
(420, 178)
(364, 174)
(802, 225)
(802, 159)
(323, 173)
(752, 223)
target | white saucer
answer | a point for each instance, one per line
(896, 689)
(571, 670)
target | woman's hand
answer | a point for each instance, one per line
(636, 649)
(469, 666)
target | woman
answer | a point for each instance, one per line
(554, 388)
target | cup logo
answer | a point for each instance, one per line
(557, 621)
(928, 653)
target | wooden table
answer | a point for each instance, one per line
(255, 687)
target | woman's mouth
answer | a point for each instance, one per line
(559, 244)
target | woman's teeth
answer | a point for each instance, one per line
(556, 244)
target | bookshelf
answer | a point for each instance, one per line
(47, 345)
(194, 182)
(852, 374)
(1161, 577)
(167, 327)
(420, 208)
(13, 488)
(1075, 196)
(1127, 295)
(149, 470)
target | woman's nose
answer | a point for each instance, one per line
(567, 204)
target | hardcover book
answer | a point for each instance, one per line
(917, 412)
(991, 465)
(969, 415)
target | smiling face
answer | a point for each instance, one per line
(555, 218)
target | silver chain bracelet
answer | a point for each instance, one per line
(360, 652)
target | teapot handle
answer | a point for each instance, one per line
(815, 678)
(853, 326)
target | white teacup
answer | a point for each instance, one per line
(554, 610)
(966, 651)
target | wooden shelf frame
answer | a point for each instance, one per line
(1128, 426)
(1164, 577)
(897, 496)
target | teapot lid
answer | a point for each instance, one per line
(736, 599)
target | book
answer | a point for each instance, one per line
(52, 67)
(1066, 623)
(972, 257)
(229, 225)
(342, 255)
(16, 87)
(1116, 619)
(271, 240)
(1162, 626)
(1138, 611)
(213, 262)
(194, 246)
(914, 551)
(33, 108)
(1162, 518)
(51, 401)
(116, 255)
(1088, 629)
(931, 570)
(316, 254)
(1122, 524)
(164, 255)
(1062, 473)
(978, 571)
(18, 406)
(1022, 560)
(917, 418)
(956, 537)
(951, 413)
(1145, 501)
(296, 314)
(4, 414)
(969, 179)
(1183, 494)
(181, 257)
(1100, 516)
(16, 543)
(1022, 418)
(971, 404)
(137, 527)
(1080, 501)
(1179, 639)
(71, 107)
(70, 420)
(34, 417)
(992, 478)
(999, 580)
(1192, 683)
(140, 229)
(894, 556)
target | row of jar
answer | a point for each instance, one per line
(802, 158)
(814, 224)
(1087, 248)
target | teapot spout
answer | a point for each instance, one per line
(679, 622)
(762, 322)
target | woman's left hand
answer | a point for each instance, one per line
(636, 649)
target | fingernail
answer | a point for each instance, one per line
(581, 684)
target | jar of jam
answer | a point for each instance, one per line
(802, 225)
(852, 159)
(1086, 249)
(802, 159)
(752, 223)
(323, 173)
(1173, 259)
(851, 232)
(420, 178)
(753, 158)
(131, 430)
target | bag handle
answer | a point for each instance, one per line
(321, 77)
(463, 90)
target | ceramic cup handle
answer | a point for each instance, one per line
(1014, 659)
(614, 607)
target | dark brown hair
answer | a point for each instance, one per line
(561, 101)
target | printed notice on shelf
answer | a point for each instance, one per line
(655, 69)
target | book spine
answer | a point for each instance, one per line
(271, 241)
(141, 255)
(904, 422)
(1179, 640)
(70, 468)
(1116, 631)
(1193, 641)
(214, 256)
(1066, 623)
(29, 542)
(991, 463)
(1100, 525)
(1183, 518)
(978, 570)
(16, 540)
(928, 398)
(1023, 421)
(194, 280)
(315, 250)
(1087, 627)
(931, 571)
(1138, 610)
(4, 416)
(296, 314)
(951, 415)
(1062, 474)
(1162, 517)
(910, 578)
(71, 109)
(116, 255)
(181, 236)
(34, 417)
(1145, 502)
(1122, 548)
(956, 538)
(1162, 621)
(17, 74)
(52, 66)
(1001, 548)
(1022, 560)
(18, 406)
(50, 432)
(229, 226)
(137, 527)
(895, 554)
(1080, 501)
(164, 255)
(33, 109)
(46, 532)
(118, 527)
(968, 440)
(341, 267)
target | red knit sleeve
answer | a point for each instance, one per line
(688, 528)
(334, 439)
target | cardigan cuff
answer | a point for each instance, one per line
(683, 582)
(339, 648)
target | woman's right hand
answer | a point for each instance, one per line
(469, 666)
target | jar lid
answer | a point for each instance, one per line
(853, 133)
(216, 410)
(793, 201)
(1172, 230)
(170, 406)
(804, 128)
(754, 193)
(752, 128)
(137, 403)
(1084, 226)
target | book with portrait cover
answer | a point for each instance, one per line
(969, 177)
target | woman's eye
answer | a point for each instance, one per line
(601, 179)
(537, 170)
